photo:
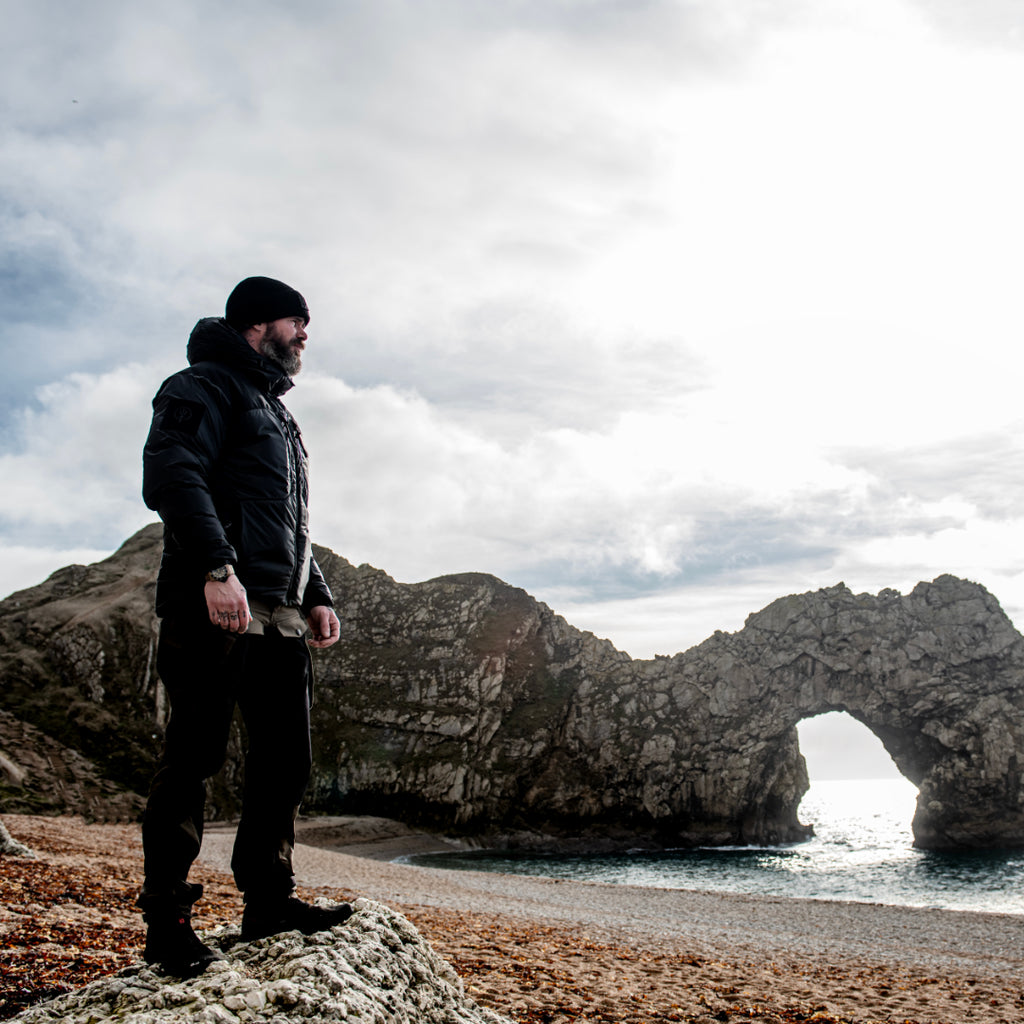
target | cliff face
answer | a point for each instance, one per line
(77, 661)
(463, 704)
(466, 701)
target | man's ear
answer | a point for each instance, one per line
(254, 334)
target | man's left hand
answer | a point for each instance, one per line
(324, 625)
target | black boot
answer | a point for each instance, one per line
(267, 915)
(170, 942)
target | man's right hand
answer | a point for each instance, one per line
(227, 605)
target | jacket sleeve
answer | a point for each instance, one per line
(185, 440)
(317, 591)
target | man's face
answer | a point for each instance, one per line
(282, 343)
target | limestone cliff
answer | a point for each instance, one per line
(463, 704)
(77, 661)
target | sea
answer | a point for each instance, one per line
(862, 851)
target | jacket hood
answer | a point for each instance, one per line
(214, 340)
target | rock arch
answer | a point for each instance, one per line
(936, 676)
(464, 704)
(527, 728)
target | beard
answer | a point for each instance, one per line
(278, 351)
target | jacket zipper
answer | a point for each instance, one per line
(295, 456)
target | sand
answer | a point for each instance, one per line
(547, 950)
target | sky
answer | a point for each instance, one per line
(659, 309)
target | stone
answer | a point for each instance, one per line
(11, 847)
(463, 705)
(376, 968)
(39, 774)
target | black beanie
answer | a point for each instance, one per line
(259, 300)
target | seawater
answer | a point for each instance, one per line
(862, 851)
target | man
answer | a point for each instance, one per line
(225, 467)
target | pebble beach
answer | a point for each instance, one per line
(536, 949)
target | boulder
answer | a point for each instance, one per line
(376, 969)
(10, 847)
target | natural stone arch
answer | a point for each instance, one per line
(530, 731)
(464, 704)
(935, 675)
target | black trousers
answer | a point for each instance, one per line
(206, 672)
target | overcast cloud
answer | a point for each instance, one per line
(659, 310)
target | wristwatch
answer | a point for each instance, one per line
(220, 575)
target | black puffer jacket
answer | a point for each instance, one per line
(225, 467)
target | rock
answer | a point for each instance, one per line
(375, 968)
(77, 662)
(10, 846)
(463, 705)
(39, 775)
(462, 701)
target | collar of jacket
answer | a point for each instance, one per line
(213, 339)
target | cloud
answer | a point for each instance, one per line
(992, 23)
(22, 567)
(641, 508)
(657, 309)
(411, 165)
(984, 471)
(73, 479)
(621, 510)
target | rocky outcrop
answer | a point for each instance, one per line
(77, 662)
(376, 968)
(464, 705)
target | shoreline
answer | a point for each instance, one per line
(359, 854)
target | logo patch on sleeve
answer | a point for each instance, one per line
(182, 416)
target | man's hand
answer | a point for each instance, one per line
(324, 625)
(227, 605)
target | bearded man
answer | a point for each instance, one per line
(238, 593)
